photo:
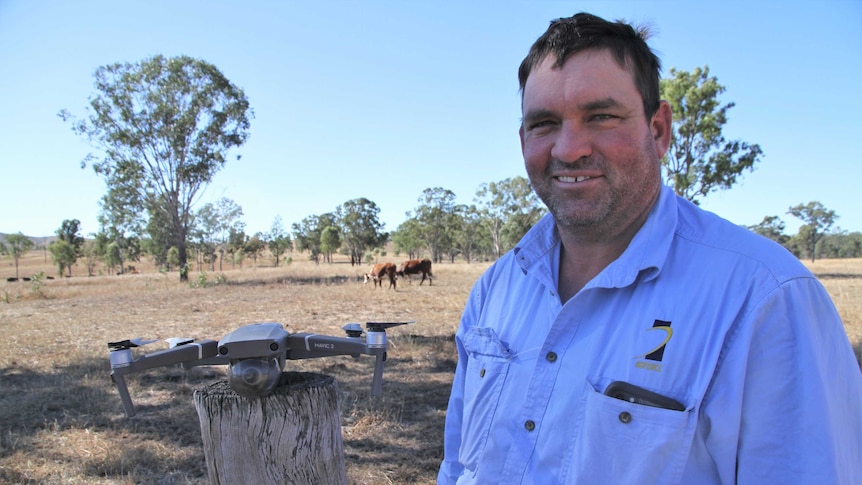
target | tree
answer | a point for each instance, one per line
(64, 255)
(700, 160)
(509, 209)
(361, 228)
(771, 227)
(254, 246)
(16, 246)
(308, 232)
(278, 240)
(230, 224)
(68, 232)
(818, 220)
(408, 237)
(173, 121)
(436, 216)
(207, 230)
(236, 242)
(330, 241)
(120, 216)
(468, 237)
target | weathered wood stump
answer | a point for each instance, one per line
(291, 436)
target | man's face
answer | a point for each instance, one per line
(590, 154)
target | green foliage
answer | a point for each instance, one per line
(278, 241)
(202, 281)
(408, 238)
(64, 255)
(360, 227)
(254, 246)
(37, 281)
(164, 126)
(173, 258)
(818, 221)
(307, 234)
(436, 217)
(16, 245)
(509, 208)
(330, 241)
(771, 227)
(700, 160)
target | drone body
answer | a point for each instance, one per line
(255, 354)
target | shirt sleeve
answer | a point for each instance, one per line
(788, 394)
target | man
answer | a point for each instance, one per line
(631, 337)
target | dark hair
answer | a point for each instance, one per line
(583, 31)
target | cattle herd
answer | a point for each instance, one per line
(407, 268)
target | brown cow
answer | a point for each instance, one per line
(378, 271)
(416, 266)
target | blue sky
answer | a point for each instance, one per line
(383, 99)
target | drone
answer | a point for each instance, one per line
(255, 355)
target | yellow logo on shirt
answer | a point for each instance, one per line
(657, 353)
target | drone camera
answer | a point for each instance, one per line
(253, 378)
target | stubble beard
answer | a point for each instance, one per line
(612, 210)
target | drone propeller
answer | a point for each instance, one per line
(177, 341)
(129, 343)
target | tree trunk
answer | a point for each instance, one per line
(291, 436)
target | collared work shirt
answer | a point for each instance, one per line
(727, 323)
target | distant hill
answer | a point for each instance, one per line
(38, 241)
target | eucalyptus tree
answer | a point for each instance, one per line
(470, 231)
(509, 208)
(308, 232)
(700, 160)
(206, 230)
(361, 228)
(230, 223)
(817, 221)
(771, 227)
(407, 237)
(69, 231)
(212, 226)
(436, 217)
(330, 241)
(16, 245)
(173, 121)
(64, 255)
(66, 249)
(278, 240)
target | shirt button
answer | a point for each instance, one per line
(625, 417)
(482, 373)
(530, 425)
(551, 356)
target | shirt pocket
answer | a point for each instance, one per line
(622, 442)
(487, 367)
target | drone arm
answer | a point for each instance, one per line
(311, 345)
(377, 379)
(121, 364)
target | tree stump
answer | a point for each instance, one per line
(290, 436)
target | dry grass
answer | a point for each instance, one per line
(61, 420)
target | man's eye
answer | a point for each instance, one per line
(541, 124)
(602, 117)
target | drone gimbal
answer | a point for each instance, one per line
(255, 355)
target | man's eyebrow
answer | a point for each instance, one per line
(537, 114)
(601, 104)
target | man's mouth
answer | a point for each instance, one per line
(572, 179)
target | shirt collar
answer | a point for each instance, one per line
(645, 255)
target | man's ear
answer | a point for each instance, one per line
(661, 127)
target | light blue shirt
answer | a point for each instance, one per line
(697, 309)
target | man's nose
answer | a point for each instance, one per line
(572, 143)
